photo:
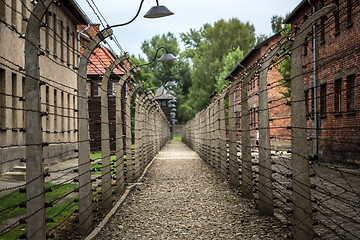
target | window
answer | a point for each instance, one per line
(68, 45)
(55, 109)
(23, 102)
(14, 100)
(74, 112)
(94, 88)
(111, 88)
(337, 17)
(350, 93)
(305, 48)
(47, 106)
(13, 13)
(323, 99)
(47, 21)
(2, 10)
(2, 98)
(337, 96)
(62, 118)
(322, 24)
(68, 112)
(55, 34)
(61, 40)
(74, 49)
(307, 101)
(349, 13)
(23, 12)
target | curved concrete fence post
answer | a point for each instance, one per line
(222, 144)
(106, 197)
(119, 147)
(35, 186)
(233, 159)
(266, 203)
(130, 165)
(246, 165)
(85, 193)
(302, 217)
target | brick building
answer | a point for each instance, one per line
(336, 89)
(58, 64)
(98, 63)
(279, 113)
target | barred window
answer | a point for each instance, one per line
(350, 93)
(323, 99)
(337, 96)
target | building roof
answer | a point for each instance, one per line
(301, 4)
(100, 60)
(160, 94)
(251, 53)
(76, 13)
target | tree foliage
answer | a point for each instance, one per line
(207, 49)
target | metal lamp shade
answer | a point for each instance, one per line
(173, 110)
(172, 101)
(170, 92)
(158, 12)
(167, 57)
(171, 84)
(172, 105)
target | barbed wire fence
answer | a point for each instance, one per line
(59, 195)
(259, 140)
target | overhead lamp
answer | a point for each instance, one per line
(158, 12)
(172, 100)
(169, 91)
(164, 58)
(173, 110)
(172, 106)
(171, 84)
(154, 12)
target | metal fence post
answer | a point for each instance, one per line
(302, 217)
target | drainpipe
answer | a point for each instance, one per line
(78, 36)
(315, 87)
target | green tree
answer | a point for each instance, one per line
(159, 73)
(229, 62)
(277, 23)
(284, 65)
(207, 49)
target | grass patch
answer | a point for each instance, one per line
(60, 209)
(177, 138)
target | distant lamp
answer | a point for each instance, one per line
(167, 57)
(171, 84)
(169, 91)
(164, 58)
(173, 110)
(172, 101)
(172, 106)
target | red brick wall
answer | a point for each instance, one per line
(337, 58)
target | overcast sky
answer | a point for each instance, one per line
(187, 14)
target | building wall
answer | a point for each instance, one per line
(277, 111)
(56, 70)
(338, 52)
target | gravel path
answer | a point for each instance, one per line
(182, 198)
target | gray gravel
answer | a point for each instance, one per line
(182, 198)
